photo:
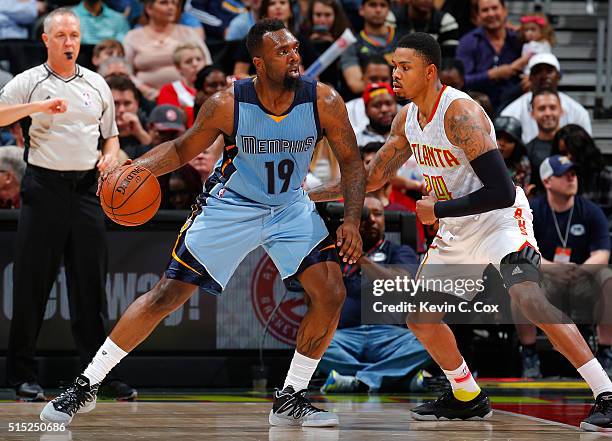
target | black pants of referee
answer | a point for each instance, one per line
(60, 216)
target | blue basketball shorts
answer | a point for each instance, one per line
(226, 227)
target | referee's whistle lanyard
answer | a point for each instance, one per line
(351, 269)
(567, 229)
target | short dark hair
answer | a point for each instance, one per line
(453, 63)
(544, 91)
(370, 147)
(122, 83)
(374, 59)
(204, 72)
(502, 2)
(255, 36)
(425, 45)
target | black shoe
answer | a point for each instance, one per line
(117, 390)
(30, 392)
(79, 397)
(292, 408)
(600, 416)
(447, 407)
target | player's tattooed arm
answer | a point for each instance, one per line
(215, 117)
(391, 156)
(468, 128)
(395, 152)
(337, 128)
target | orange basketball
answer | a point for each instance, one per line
(131, 195)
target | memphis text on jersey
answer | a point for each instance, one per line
(252, 145)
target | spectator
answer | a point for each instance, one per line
(465, 13)
(325, 22)
(452, 73)
(545, 72)
(12, 169)
(375, 70)
(204, 163)
(239, 26)
(106, 49)
(209, 80)
(376, 38)
(100, 22)
(572, 233)
(508, 133)
(149, 49)
(189, 60)
(594, 178)
(546, 110)
(133, 138)
(16, 17)
(422, 16)
(381, 108)
(216, 16)
(166, 123)
(115, 66)
(184, 187)
(60, 213)
(484, 101)
(537, 35)
(491, 53)
(371, 357)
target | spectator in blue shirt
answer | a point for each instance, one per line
(491, 54)
(573, 238)
(239, 27)
(369, 357)
(16, 17)
(99, 22)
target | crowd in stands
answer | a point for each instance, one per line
(156, 57)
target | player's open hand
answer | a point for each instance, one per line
(53, 106)
(425, 209)
(349, 242)
(108, 171)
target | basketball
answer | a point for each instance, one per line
(130, 196)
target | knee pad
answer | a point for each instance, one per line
(521, 266)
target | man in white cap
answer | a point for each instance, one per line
(545, 72)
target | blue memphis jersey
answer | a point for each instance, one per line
(267, 157)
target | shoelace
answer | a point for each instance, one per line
(71, 400)
(298, 406)
(446, 396)
(602, 405)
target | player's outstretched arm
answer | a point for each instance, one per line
(214, 118)
(337, 128)
(468, 128)
(388, 160)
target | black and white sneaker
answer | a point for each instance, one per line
(447, 407)
(79, 397)
(292, 408)
(600, 416)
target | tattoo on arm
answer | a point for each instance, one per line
(468, 128)
(342, 140)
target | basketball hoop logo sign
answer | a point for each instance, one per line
(267, 288)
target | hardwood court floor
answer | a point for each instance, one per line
(246, 421)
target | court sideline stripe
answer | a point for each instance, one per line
(542, 420)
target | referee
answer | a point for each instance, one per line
(64, 110)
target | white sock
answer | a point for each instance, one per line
(464, 386)
(107, 357)
(300, 371)
(596, 377)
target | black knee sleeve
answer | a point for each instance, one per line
(521, 266)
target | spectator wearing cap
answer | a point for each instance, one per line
(491, 53)
(99, 22)
(545, 71)
(375, 70)
(508, 133)
(572, 233)
(166, 123)
(547, 112)
(380, 108)
(376, 38)
(189, 60)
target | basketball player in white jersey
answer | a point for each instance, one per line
(483, 219)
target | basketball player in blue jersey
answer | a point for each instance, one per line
(271, 124)
(483, 219)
